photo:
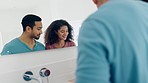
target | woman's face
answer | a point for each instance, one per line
(62, 33)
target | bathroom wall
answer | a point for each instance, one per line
(61, 63)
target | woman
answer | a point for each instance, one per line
(59, 35)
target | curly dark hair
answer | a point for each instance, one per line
(51, 37)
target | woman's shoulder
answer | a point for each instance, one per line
(70, 43)
(48, 46)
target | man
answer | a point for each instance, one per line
(113, 43)
(32, 29)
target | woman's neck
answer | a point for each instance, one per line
(60, 44)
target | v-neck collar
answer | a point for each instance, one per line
(27, 45)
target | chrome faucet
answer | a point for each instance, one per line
(28, 76)
(44, 73)
(43, 78)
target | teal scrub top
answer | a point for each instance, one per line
(16, 46)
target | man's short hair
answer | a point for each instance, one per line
(29, 20)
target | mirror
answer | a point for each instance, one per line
(12, 12)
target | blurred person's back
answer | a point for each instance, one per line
(113, 44)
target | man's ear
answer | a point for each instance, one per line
(28, 29)
(98, 3)
(95, 1)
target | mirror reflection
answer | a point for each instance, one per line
(11, 16)
(59, 34)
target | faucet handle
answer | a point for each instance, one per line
(27, 75)
(44, 72)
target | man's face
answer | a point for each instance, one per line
(37, 30)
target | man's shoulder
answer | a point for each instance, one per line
(39, 45)
(12, 43)
(118, 10)
(8, 47)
